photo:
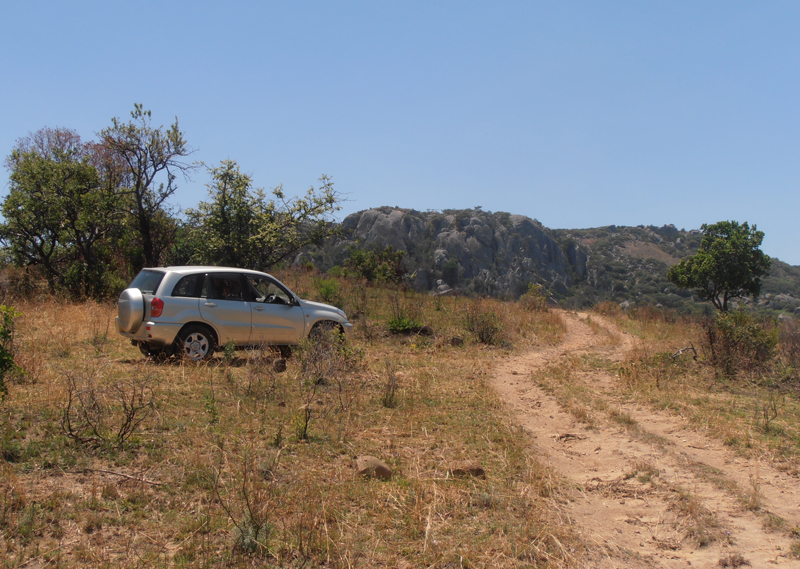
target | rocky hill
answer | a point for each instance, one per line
(499, 254)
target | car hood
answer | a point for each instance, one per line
(321, 307)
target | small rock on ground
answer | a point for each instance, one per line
(371, 467)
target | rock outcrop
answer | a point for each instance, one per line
(491, 253)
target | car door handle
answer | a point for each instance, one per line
(211, 304)
(260, 308)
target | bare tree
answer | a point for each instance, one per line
(151, 160)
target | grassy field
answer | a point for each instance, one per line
(111, 460)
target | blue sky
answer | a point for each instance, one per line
(579, 114)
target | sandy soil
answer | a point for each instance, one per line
(633, 522)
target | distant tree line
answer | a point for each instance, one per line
(88, 216)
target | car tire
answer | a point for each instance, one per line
(322, 328)
(196, 343)
(156, 354)
(149, 351)
(327, 333)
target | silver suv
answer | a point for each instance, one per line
(190, 311)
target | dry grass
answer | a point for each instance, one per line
(240, 466)
(755, 411)
(699, 524)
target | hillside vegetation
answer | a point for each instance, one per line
(500, 254)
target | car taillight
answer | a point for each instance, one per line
(156, 307)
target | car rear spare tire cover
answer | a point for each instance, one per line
(130, 310)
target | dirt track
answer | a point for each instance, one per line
(637, 520)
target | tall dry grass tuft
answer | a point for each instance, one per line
(700, 524)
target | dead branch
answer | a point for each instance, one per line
(680, 352)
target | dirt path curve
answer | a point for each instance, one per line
(649, 491)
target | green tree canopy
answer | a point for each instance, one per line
(728, 264)
(59, 211)
(239, 226)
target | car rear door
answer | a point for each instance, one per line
(276, 318)
(224, 304)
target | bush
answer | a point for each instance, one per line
(329, 291)
(535, 299)
(405, 311)
(737, 341)
(609, 308)
(403, 325)
(102, 413)
(7, 365)
(376, 265)
(484, 324)
(450, 273)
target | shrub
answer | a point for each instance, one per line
(609, 308)
(97, 413)
(403, 325)
(737, 341)
(329, 291)
(484, 324)
(389, 395)
(450, 272)
(7, 365)
(535, 299)
(376, 265)
(324, 359)
(404, 311)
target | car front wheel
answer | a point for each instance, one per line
(196, 343)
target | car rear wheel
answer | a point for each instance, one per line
(196, 343)
(154, 352)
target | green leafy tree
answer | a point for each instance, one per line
(383, 265)
(146, 162)
(222, 230)
(240, 226)
(59, 212)
(728, 264)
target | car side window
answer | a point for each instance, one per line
(187, 286)
(223, 287)
(265, 290)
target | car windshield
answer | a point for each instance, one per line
(266, 290)
(147, 281)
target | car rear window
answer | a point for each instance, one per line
(147, 281)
